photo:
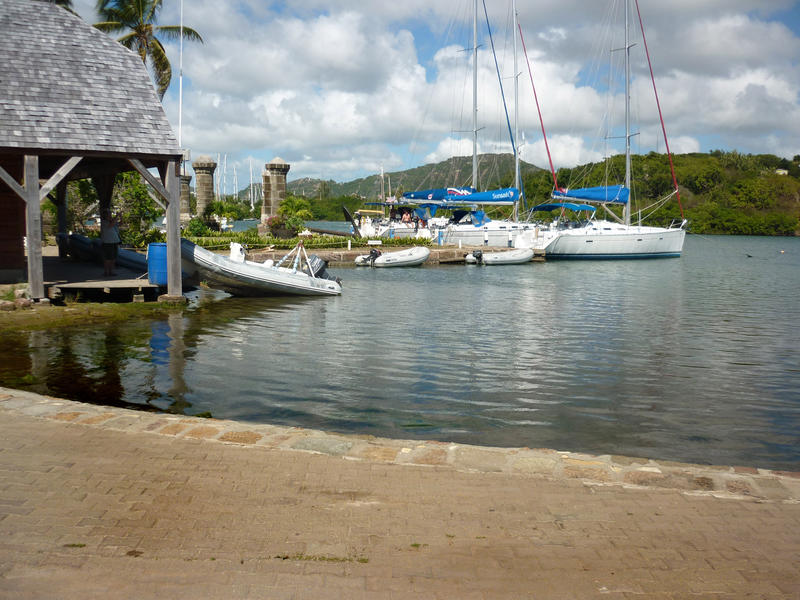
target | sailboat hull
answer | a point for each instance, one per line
(497, 234)
(615, 241)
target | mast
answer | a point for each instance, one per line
(180, 92)
(235, 184)
(475, 97)
(516, 110)
(252, 191)
(627, 210)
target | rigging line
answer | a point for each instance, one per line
(658, 104)
(502, 93)
(539, 110)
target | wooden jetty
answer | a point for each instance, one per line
(68, 279)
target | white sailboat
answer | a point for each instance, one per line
(470, 226)
(602, 239)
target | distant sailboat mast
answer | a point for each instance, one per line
(475, 97)
(235, 184)
(252, 191)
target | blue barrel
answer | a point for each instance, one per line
(157, 263)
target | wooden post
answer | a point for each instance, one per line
(61, 206)
(173, 188)
(33, 227)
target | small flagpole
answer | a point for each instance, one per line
(180, 93)
(180, 83)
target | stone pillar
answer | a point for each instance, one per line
(186, 199)
(204, 183)
(274, 178)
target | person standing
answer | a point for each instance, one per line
(109, 236)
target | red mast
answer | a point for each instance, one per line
(660, 116)
(541, 121)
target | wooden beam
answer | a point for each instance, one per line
(150, 178)
(174, 284)
(65, 170)
(156, 199)
(33, 227)
(12, 183)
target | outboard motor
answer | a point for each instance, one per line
(318, 268)
(478, 255)
(373, 254)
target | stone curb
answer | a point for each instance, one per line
(735, 482)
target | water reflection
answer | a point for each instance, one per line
(691, 359)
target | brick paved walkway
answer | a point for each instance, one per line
(106, 503)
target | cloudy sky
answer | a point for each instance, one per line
(342, 88)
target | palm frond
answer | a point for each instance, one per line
(173, 32)
(109, 26)
(162, 70)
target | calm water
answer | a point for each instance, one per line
(694, 359)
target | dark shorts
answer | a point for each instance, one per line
(110, 251)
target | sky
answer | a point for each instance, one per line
(340, 90)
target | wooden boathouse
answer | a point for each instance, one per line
(74, 104)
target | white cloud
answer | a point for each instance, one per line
(337, 89)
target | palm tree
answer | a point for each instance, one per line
(138, 19)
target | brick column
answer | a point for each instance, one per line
(204, 168)
(185, 198)
(274, 178)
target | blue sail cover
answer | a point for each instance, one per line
(440, 194)
(612, 193)
(447, 196)
(499, 197)
(559, 205)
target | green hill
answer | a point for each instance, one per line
(721, 191)
(494, 170)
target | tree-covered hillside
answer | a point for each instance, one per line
(721, 192)
(494, 170)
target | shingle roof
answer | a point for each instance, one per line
(65, 85)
